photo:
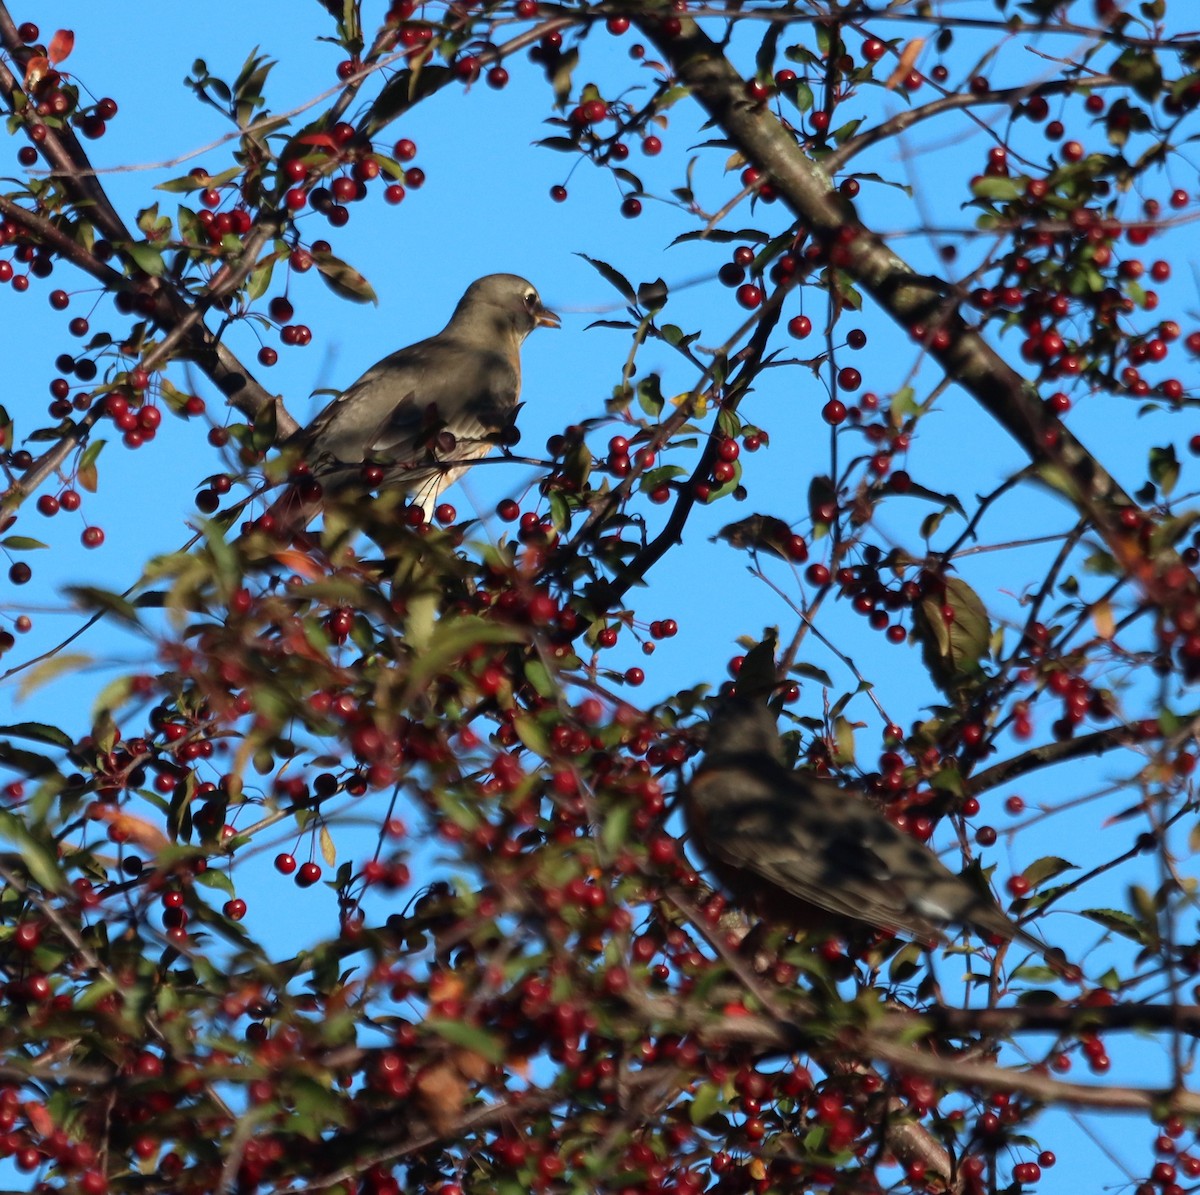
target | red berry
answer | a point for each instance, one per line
(834, 412)
(1018, 886)
(749, 296)
(308, 874)
(92, 537)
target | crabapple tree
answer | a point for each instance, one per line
(930, 249)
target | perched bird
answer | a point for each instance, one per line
(787, 844)
(423, 414)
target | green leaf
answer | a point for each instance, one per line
(953, 650)
(812, 672)
(38, 732)
(190, 183)
(913, 490)
(1164, 468)
(559, 144)
(705, 1103)
(259, 281)
(101, 601)
(613, 277)
(40, 858)
(1037, 873)
(112, 696)
(653, 295)
(343, 279)
(759, 533)
(675, 337)
(614, 834)
(650, 396)
(821, 491)
(538, 675)
(1121, 923)
(1141, 70)
(564, 67)
(994, 187)
(265, 428)
(843, 741)
(801, 95)
(452, 638)
(49, 670)
(470, 1037)
(214, 877)
(905, 963)
(21, 543)
(85, 471)
(147, 259)
(532, 735)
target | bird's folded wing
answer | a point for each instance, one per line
(823, 854)
(389, 413)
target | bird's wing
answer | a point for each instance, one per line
(390, 410)
(828, 848)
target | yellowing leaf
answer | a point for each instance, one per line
(35, 70)
(61, 45)
(299, 563)
(328, 850)
(1102, 619)
(908, 56)
(50, 669)
(136, 829)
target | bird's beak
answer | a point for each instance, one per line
(546, 318)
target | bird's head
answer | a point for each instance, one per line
(742, 722)
(501, 304)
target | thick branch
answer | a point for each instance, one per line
(888, 1043)
(1058, 751)
(917, 302)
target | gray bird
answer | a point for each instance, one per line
(787, 844)
(425, 413)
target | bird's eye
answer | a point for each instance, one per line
(531, 299)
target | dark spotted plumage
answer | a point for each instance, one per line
(788, 844)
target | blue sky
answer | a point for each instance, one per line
(485, 208)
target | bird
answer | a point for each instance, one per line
(422, 415)
(796, 848)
